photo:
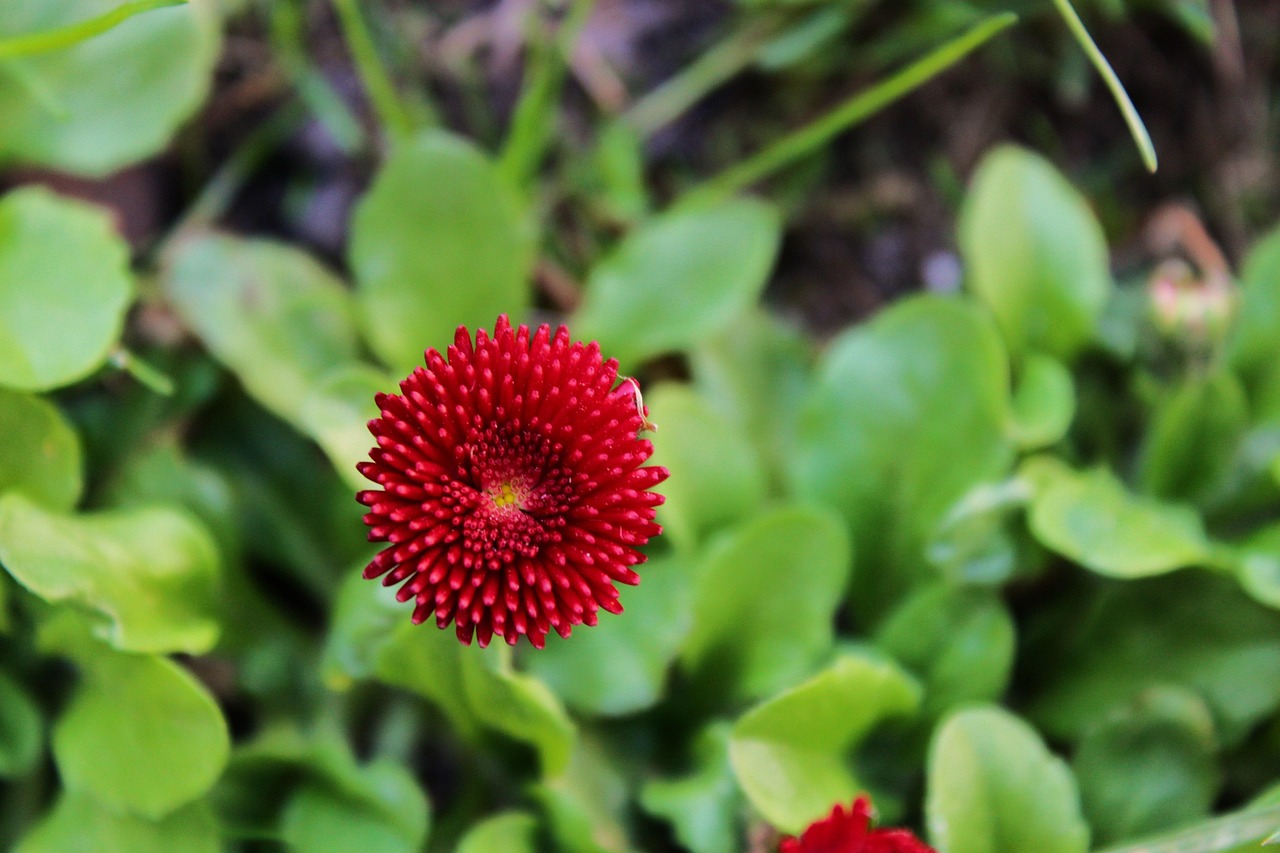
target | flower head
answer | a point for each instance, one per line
(514, 494)
(849, 832)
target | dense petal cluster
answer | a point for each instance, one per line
(849, 832)
(514, 492)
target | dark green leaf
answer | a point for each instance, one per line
(703, 806)
(1193, 438)
(21, 728)
(40, 455)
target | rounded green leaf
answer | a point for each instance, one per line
(1035, 253)
(716, 476)
(1044, 402)
(993, 787)
(64, 288)
(907, 414)
(436, 242)
(110, 100)
(679, 277)
(1091, 518)
(790, 752)
(336, 414)
(78, 823)
(141, 734)
(1257, 564)
(40, 455)
(21, 728)
(511, 832)
(519, 706)
(1149, 766)
(268, 311)
(764, 601)
(1193, 438)
(388, 816)
(150, 573)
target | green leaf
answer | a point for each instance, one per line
(364, 617)
(1193, 630)
(678, 278)
(972, 543)
(64, 287)
(620, 665)
(1091, 518)
(336, 414)
(994, 787)
(150, 574)
(140, 711)
(268, 311)
(703, 806)
(112, 100)
(908, 413)
(1257, 564)
(40, 456)
(436, 242)
(389, 816)
(1035, 254)
(1193, 438)
(789, 753)
(1253, 346)
(716, 477)
(1044, 402)
(765, 600)
(1148, 766)
(584, 806)
(426, 661)
(518, 706)
(80, 824)
(511, 832)
(959, 642)
(21, 729)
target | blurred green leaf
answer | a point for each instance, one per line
(436, 242)
(1193, 630)
(994, 787)
(268, 311)
(765, 600)
(114, 99)
(907, 414)
(1091, 518)
(715, 477)
(389, 816)
(583, 808)
(510, 832)
(1193, 438)
(140, 711)
(1257, 564)
(151, 574)
(78, 823)
(620, 665)
(958, 641)
(40, 456)
(1252, 347)
(517, 705)
(678, 278)
(790, 752)
(704, 805)
(1148, 766)
(972, 543)
(336, 414)
(1035, 254)
(21, 729)
(64, 287)
(1044, 402)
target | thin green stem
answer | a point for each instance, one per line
(147, 375)
(1212, 836)
(695, 81)
(319, 96)
(1139, 130)
(813, 136)
(62, 37)
(391, 112)
(534, 119)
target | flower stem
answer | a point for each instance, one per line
(818, 133)
(147, 375)
(63, 37)
(391, 112)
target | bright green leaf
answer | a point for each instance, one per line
(437, 242)
(907, 414)
(1044, 402)
(716, 477)
(64, 286)
(1035, 254)
(389, 816)
(972, 543)
(1148, 766)
(140, 711)
(765, 600)
(703, 806)
(518, 706)
(994, 787)
(40, 455)
(679, 277)
(511, 832)
(268, 311)
(1254, 347)
(21, 728)
(80, 824)
(150, 573)
(114, 99)
(790, 753)
(1257, 564)
(336, 414)
(1193, 438)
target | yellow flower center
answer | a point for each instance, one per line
(505, 496)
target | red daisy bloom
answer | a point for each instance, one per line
(848, 832)
(513, 493)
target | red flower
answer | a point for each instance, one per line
(513, 496)
(847, 832)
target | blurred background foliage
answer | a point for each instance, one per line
(973, 423)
